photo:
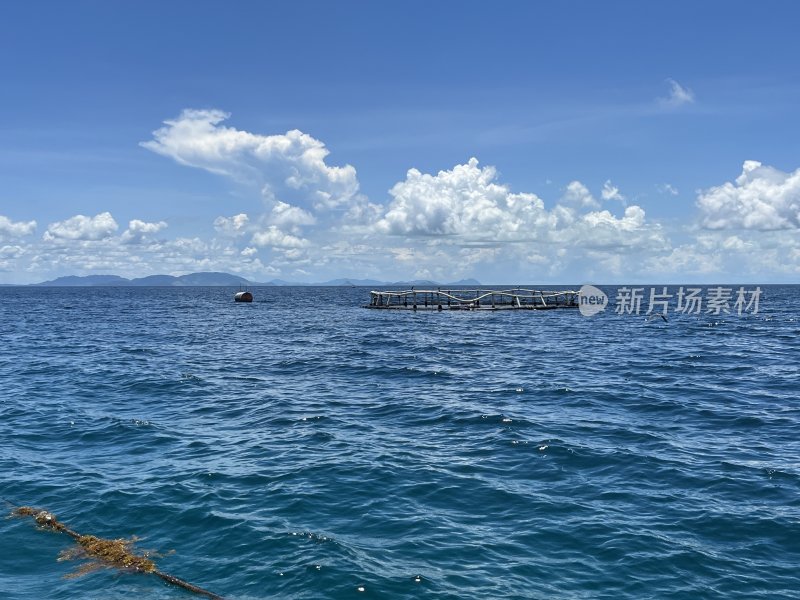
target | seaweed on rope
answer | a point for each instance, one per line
(100, 552)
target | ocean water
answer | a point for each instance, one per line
(302, 447)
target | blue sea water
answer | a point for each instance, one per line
(304, 447)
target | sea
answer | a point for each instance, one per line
(304, 447)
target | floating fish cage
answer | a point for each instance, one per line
(513, 299)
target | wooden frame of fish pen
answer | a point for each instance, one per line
(510, 299)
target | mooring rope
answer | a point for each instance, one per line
(111, 553)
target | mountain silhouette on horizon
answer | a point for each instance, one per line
(210, 278)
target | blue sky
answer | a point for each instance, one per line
(613, 142)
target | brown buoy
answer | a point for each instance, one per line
(243, 297)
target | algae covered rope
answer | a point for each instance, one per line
(110, 553)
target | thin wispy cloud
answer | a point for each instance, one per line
(667, 188)
(679, 95)
(611, 192)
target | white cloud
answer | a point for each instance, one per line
(686, 260)
(9, 255)
(81, 227)
(466, 205)
(138, 230)
(761, 198)
(16, 229)
(464, 201)
(633, 219)
(290, 167)
(286, 215)
(460, 222)
(678, 95)
(602, 231)
(296, 256)
(611, 192)
(232, 226)
(666, 188)
(113, 255)
(578, 195)
(11, 251)
(276, 238)
(463, 222)
(143, 227)
(759, 256)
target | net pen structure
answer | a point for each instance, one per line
(475, 299)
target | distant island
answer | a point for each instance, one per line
(223, 279)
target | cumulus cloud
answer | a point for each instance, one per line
(113, 255)
(678, 95)
(761, 198)
(81, 227)
(463, 201)
(286, 215)
(291, 167)
(138, 230)
(143, 227)
(633, 219)
(578, 195)
(11, 228)
(467, 205)
(232, 226)
(275, 238)
(758, 255)
(9, 256)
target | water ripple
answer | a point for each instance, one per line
(302, 447)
